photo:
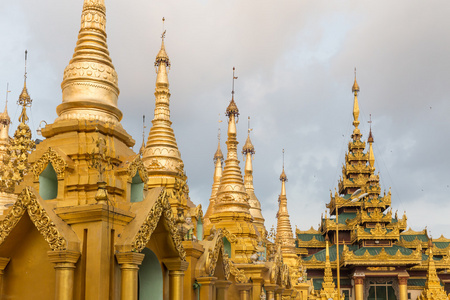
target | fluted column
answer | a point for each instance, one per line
(176, 269)
(270, 291)
(129, 265)
(222, 289)
(65, 268)
(207, 287)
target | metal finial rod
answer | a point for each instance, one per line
(370, 121)
(7, 92)
(143, 127)
(26, 56)
(163, 35)
(355, 72)
(283, 159)
(218, 134)
(249, 125)
(234, 77)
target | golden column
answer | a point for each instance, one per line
(207, 287)
(359, 287)
(3, 263)
(65, 268)
(129, 265)
(222, 289)
(270, 291)
(176, 269)
(279, 293)
(403, 287)
(244, 290)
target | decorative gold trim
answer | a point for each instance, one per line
(239, 275)
(145, 232)
(213, 256)
(26, 201)
(137, 166)
(58, 163)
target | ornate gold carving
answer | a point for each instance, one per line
(137, 166)
(50, 156)
(143, 236)
(27, 202)
(239, 275)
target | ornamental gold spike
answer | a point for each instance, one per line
(355, 90)
(89, 87)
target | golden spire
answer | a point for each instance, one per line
(232, 205)
(5, 120)
(89, 87)
(16, 156)
(24, 99)
(433, 289)
(255, 206)
(370, 140)
(161, 156)
(218, 160)
(355, 90)
(141, 150)
(285, 236)
(328, 290)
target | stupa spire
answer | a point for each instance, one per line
(231, 210)
(89, 87)
(355, 90)
(255, 206)
(433, 289)
(285, 236)
(161, 156)
(5, 120)
(218, 160)
(370, 140)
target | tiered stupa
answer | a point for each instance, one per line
(161, 156)
(284, 236)
(231, 208)
(255, 206)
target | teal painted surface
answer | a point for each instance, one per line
(150, 277)
(227, 246)
(199, 230)
(137, 189)
(48, 183)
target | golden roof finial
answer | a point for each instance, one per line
(370, 140)
(248, 146)
(24, 99)
(218, 155)
(355, 88)
(162, 57)
(283, 176)
(356, 122)
(4, 117)
(141, 150)
(232, 107)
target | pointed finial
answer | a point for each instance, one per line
(162, 56)
(370, 138)
(232, 107)
(7, 92)
(218, 155)
(26, 55)
(141, 151)
(355, 88)
(4, 118)
(283, 176)
(248, 146)
(24, 98)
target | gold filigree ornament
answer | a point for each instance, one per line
(137, 166)
(145, 231)
(50, 156)
(27, 202)
(239, 275)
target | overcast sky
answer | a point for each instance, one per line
(295, 62)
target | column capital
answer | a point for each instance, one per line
(223, 284)
(175, 264)
(243, 286)
(133, 258)
(63, 256)
(206, 279)
(403, 280)
(270, 286)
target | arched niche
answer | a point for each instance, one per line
(48, 183)
(150, 277)
(137, 189)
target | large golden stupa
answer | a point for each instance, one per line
(85, 217)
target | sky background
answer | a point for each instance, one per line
(295, 62)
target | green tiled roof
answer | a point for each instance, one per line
(306, 237)
(441, 245)
(377, 250)
(320, 256)
(394, 220)
(412, 237)
(346, 197)
(346, 216)
(416, 282)
(425, 257)
(369, 229)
